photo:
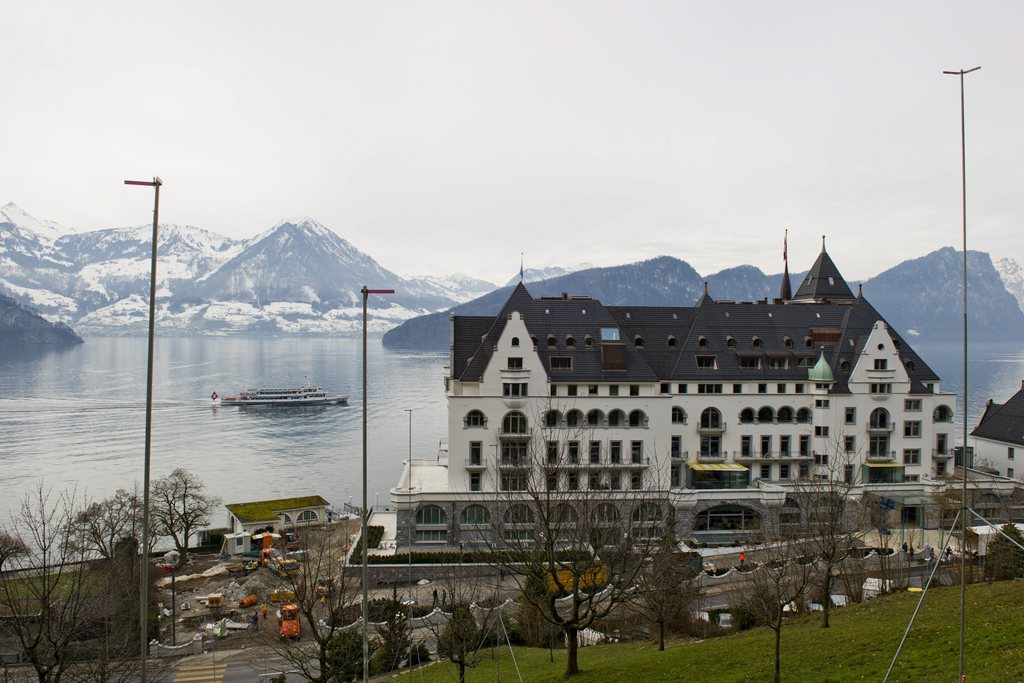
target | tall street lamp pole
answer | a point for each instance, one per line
(409, 482)
(144, 570)
(963, 458)
(365, 512)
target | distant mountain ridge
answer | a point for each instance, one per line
(918, 297)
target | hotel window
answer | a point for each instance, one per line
(881, 364)
(591, 390)
(1009, 472)
(911, 456)
(595, 452)
(878, 447)
(552, 452)
(940, 444)
(615, 452)
(515, 363)
(780, 389)
(805, 470)
(766, 446)
(676, 476)
(682, 388)
(883, 388)
(848, 474)
(805, 445)
(615, 481)
(513, 481)
(677, 446)
(709, 388)
(750, 362)
(552, 482)
(634, 389)
(1009, 453)
(560, 363)
(513, 389)
(912, 429)
(710, 447)
(666, 388)
(821, 430)
(636, 451)
(776, 363)
(554, 390)
(572, 481)
(913, 404)
(798, 388)
(737, 388)
(574, 451)
(636, 480)
(762, 388)
(572, 390)
(613, 389)
(821, 403)
(784, 471)
(850, 444)
(821, 458)
(746, 447)
(784, 446)
(707, 362)
(474, 481)
(678, 415)
(593, 481)
(475, 418)
(475, 453)
(766, 471)
(851, 416)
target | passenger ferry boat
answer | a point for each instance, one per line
(301, 396)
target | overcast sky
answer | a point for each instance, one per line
(444, 137)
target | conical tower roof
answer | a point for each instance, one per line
(786, 291)
(824, 281)
(821, 373)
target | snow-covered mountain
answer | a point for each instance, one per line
(540, 274)
(458, 287)
(298, 276)
(1012, 276)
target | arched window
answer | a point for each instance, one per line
(518, 514)
(514, 423)
(573, 418)
(307, 517)
(785, 414)
(678, 415)
(431, 524)
(671, 342)
(638, 342)
(647, 512)
(766, 414)
(730, 341)
(879, 419)
(570, 342)
(808, 343)
(616, 418)
(431, 515)
(727, 518)
(588, 341)
(515, 341)
(711, 419)
(595, 418)
(943, 414)
(910, 366)
(787, 342)
(756, 342)
(747, 415)
(533, 339)
(844, 365)
(803, 415)
(552, 342)
(702, 341)
(475, 418)
(789, 514)
(552, 418)
(605, 514)
(563, 514)
(474, 514)
(637, 418)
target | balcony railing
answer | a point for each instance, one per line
(882, 456)
(711, 428)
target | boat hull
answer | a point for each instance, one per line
(320, 401)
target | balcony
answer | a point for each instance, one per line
(880, 428)
(711, 428)
(942, 454)
(882, 456)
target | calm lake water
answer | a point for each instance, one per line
(76, 417)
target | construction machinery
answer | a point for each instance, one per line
(272, 560)
(290, 626)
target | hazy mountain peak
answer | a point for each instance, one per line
(48, 230)
(1012, 276)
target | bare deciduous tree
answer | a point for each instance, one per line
(105, 524)
(579, 522)
(180, 507)
(665, 587)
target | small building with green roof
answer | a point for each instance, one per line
(278, 514)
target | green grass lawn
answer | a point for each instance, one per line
(858, 647)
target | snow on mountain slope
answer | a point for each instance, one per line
(458, 287)
(539, 274)
(47, 230)
(1012, 275)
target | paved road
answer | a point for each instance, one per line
(207, 669)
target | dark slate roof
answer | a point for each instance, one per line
(824, 282)
(1003, 421)
(840, 329)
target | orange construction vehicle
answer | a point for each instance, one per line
(272, 560)
(290, 623)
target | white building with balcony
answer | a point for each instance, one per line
(720, 409)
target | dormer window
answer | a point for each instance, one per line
(552, 342)
(609, 334)
(671, 341)
(561, 363)
(515, 363)
(588, 341)
(787, 342)
(730, 342)
(702, 341)
(808, 343)
(515, 341)
(756, 342)
(638, 341)
(570, 341)
(707, 362)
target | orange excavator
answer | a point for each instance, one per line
(290, 623)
